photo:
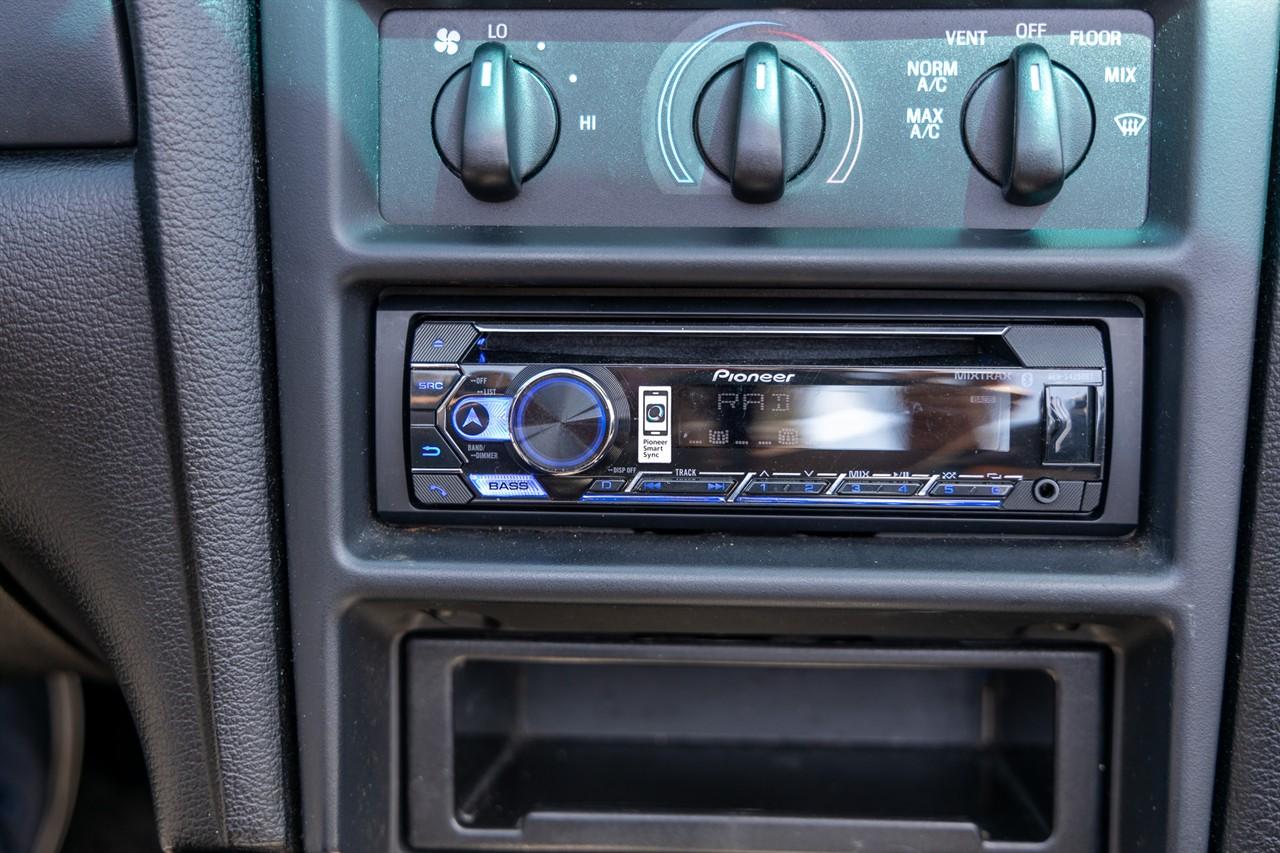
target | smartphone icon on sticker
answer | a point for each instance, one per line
(655, 412)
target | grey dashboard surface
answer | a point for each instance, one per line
(1192, 265)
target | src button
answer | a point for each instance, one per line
(428, 387)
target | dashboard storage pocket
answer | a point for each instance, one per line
(595, 746)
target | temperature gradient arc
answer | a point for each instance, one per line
(666, 99)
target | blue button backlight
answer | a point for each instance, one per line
(482, 418)
(508, 486)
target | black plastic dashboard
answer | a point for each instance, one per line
(642, 426)
(362, 200)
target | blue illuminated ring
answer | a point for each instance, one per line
(605, 422)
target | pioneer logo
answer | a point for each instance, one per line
(723, 375)
(984, 376)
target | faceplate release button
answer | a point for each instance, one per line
(1069, 417)
(442, 343)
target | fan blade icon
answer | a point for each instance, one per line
(447, 41)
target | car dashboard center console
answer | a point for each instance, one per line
(763, 427)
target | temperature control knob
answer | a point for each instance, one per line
(1027, 124)
(562, 421)
(495, 123)
(759, 123)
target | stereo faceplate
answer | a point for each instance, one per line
(1005, 420)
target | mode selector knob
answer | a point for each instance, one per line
(562, 421)
(1028, 124)
(759, 123)
(495, 123)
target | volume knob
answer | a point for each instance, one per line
(562, 421)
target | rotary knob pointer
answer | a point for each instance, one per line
(1028, 124)
(759, 123)
(495, 123)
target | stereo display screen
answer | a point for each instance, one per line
(956, 418)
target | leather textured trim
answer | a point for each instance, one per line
(88, 521)
(198, 160)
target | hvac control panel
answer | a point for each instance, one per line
(1008, 119)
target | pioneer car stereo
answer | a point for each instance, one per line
(572, 418)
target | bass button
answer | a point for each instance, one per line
(508, 486)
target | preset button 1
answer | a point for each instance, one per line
(780, 486)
